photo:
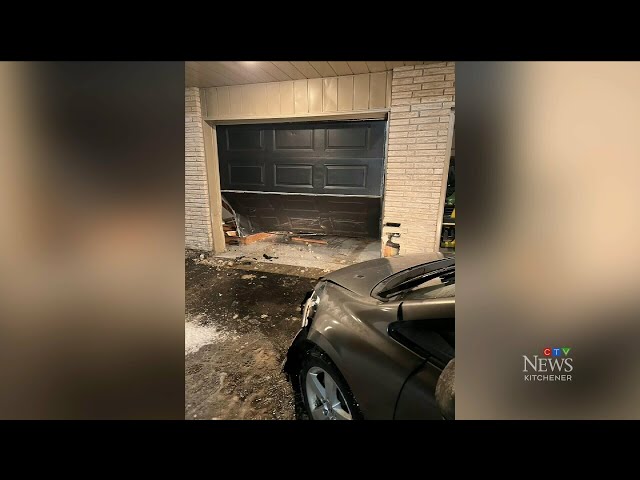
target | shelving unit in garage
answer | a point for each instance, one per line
(448, 234)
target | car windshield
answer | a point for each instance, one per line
(434, 288)
(435, 280)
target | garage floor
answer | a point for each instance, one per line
(337, 253)
(240, 317)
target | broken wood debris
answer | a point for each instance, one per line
(308, 240)
(230, 230)
(233, 237)
(256, 237)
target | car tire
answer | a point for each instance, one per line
(316, 369)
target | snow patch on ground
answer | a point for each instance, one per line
(197, 336)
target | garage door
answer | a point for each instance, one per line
(323, 177)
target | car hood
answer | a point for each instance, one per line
(362, 277)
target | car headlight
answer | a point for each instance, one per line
(311, 305)
(310, 308)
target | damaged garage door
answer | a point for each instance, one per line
(322, 177)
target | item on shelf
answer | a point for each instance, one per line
(451, 199)
(448, 239)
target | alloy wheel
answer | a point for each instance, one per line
(326, 400)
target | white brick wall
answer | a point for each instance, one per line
(421, 101)
(197, 219)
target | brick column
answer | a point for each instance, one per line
(421, 101)
(197, 218)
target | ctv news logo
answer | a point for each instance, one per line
(553, 366)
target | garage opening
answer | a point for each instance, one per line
(307, 193)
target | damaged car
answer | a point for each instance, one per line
(378, 342)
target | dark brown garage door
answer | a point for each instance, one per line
(323, 177)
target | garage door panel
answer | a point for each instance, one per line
(249, 175)
(287, 141)
(346, 176)
(347, 216)
(329, 175)
(290, 175)
(347, 138)
(299, 203)
(305, 224)
(358, 140)
(320, 158)
(344, 205)
(320, 177)
(349, 227)
(351, 177)
(265, 223)
(245, 139)
(293, 138)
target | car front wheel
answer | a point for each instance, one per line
(325, 393)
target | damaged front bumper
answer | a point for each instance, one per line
(293, 350)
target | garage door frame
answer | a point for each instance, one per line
(212, 162)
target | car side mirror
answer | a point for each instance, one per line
(445, 391)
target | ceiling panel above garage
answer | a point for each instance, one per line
(218, 74)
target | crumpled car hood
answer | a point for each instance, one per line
(362, 277)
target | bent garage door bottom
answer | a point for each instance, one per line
(321, 177)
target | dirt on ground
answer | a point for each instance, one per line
(240, 318)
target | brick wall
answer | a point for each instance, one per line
(197, 219)
(421, 101)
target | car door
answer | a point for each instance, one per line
(427, 328)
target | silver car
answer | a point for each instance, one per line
(375, 340)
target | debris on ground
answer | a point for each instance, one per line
(300, 253)
(202, 256)
(249, 276)
(236, 337)
(308, 240)
(230, 230)
(249, 239)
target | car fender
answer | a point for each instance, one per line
(352, 331)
